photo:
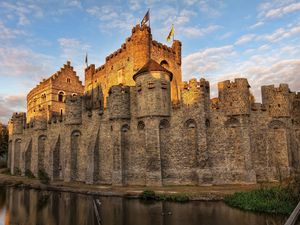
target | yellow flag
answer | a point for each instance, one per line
(171, 34)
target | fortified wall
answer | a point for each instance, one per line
(136, 135)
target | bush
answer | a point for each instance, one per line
(270, 200)
(151, 195)
(43, 176)
(148, 195)
(17, 171)
(29, 174)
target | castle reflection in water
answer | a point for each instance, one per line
(33, 207)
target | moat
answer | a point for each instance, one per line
(32, 207)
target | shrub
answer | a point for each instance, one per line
(29, 174)
(151, 195)
(270, 200)
(43, 176)
(148, 195)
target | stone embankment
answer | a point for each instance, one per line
(204, 193)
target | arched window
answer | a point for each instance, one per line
(141, 125)
(164, 64)
(43, 97)
(164, 124)
(74, 94)
(60, 96)
(190, 123)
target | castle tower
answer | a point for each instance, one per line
(195, 92)
(276, 100)
(73, 110)
(235, 97)
(18, 122)
(119, 102)
(139, 45)
(153, 109)
(153, 90)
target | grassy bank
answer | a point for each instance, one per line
(151, 195)
(275, 200)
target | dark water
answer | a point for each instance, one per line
(31, 207)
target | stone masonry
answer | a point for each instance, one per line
(137, 123)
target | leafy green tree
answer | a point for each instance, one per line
(3, 140)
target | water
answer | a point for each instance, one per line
(32, 207)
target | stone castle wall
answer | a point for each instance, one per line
(193, 145)
(134, 126)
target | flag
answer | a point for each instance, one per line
(86, 59)
(171, 34)
(146, 18)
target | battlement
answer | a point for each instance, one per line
(162, 46)
(281, 88)
(238, 83)
(193, 91)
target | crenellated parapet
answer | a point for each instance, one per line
(235, 97)
(195, 92)
(119, 102)
(277, 100)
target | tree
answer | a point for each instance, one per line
(3, 141)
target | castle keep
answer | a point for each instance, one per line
(137, 123)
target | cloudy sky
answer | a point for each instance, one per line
(221, 39)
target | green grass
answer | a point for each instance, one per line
(275, 200)
(151, 195)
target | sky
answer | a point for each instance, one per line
(221, 40)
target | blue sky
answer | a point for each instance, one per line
(259, 40)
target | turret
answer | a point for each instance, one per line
(18, 122)
(195, 92)
(153, 90)
(73, 113)
(276, 100)
(119, 102)
(234, 97)
(139, 45)
(176, 46)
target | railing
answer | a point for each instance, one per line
(294, 216)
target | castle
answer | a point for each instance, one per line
(136, 123)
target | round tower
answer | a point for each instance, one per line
(119, 102)
(153, 90)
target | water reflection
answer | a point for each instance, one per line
(31, 207)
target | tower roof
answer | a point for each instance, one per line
(150, 66)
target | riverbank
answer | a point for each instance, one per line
(213, 192)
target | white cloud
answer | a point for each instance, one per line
(21, 61)
(245, 38)
(7, 33)
(278, 12)
(193, 32)
(226, 35)
(280, 33)
(206, 61)
(22, 11)
(258, 24)
(10, 104)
